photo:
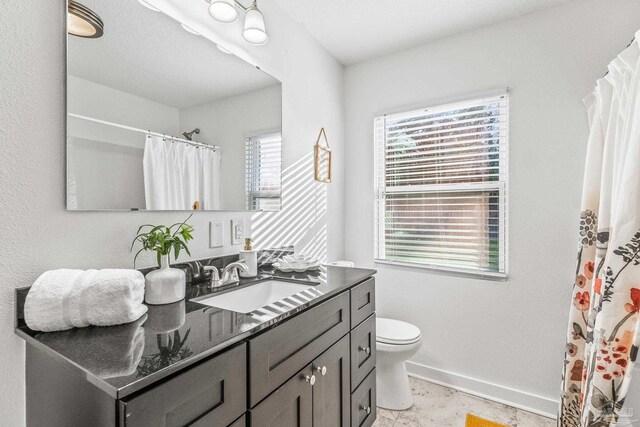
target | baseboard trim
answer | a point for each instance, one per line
(498, 393)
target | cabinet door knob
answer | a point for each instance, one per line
(322, 370)
(310, 379)
(366, 349)
(366, 409)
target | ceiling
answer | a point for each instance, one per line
(148, 54)
(357, 30)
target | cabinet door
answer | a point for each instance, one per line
(277, 354)
(291, 405)
(213, 393)
(331, 406)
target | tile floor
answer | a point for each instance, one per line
(437, 406)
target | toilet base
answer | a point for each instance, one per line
(393, 389)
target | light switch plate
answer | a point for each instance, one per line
(237, 231)
(216, 234)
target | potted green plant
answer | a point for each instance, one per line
(164, 285)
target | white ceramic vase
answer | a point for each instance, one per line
(164, 285)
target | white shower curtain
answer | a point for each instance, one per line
(605, 312)
(179, 176)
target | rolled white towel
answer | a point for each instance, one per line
(65, 299)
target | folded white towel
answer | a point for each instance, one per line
(65, 299)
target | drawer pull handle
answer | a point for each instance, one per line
(366, 350)
(322, 370)
(366, 409)
(310, 379)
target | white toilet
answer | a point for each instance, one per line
(396, 341)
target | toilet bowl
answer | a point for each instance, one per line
(396, 341)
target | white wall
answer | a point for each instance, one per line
(226, 123)
(105, 163)
(105, 103)
(39, 234)
(479, 334)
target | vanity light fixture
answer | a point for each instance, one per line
(148, 5)
(223, 11)
(254, 30)
(226, 11)
(83, 22)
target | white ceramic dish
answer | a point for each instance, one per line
(288, 268)
(299, 259)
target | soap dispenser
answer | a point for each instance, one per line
(250, 257)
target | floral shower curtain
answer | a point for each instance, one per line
(602, 339)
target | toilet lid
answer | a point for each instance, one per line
(392, 331)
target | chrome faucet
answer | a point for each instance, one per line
(229, 273)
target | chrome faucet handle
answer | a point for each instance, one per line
(230, 272)
(241, 264)
(197, 270)
(215, 274)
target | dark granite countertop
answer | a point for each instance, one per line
(124, 359)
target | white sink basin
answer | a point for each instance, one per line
(253, 297)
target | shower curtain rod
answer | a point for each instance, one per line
(148, 132)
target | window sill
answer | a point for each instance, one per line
(481, 275)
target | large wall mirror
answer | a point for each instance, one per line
(159, 118)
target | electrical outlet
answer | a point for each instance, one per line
(237, 231)
(216, 234)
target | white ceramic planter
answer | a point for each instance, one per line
(164, 285)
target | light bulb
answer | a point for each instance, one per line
(223, 11)
(254, 29)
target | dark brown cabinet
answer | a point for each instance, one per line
(331, 394)
(363, 301)
(314, 369)
(363, 350)
(240, 422)
(278, 353)
(212, 394)
(317, 396)
(290, 405)
(363, 402)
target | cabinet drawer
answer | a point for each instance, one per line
(363, 301)
(363, 402)
(279, 353)
(212, 393)
(363, 350)
(289, 406)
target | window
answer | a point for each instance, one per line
(263, 167)
(441, 182)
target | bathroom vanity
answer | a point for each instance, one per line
(305, 360)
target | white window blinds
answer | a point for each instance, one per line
(441, 178)
(263, 167)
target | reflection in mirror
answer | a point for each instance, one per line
(159, 119)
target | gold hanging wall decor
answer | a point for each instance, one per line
(322, 159)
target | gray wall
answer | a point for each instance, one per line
(39, 234)
(502, 339)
